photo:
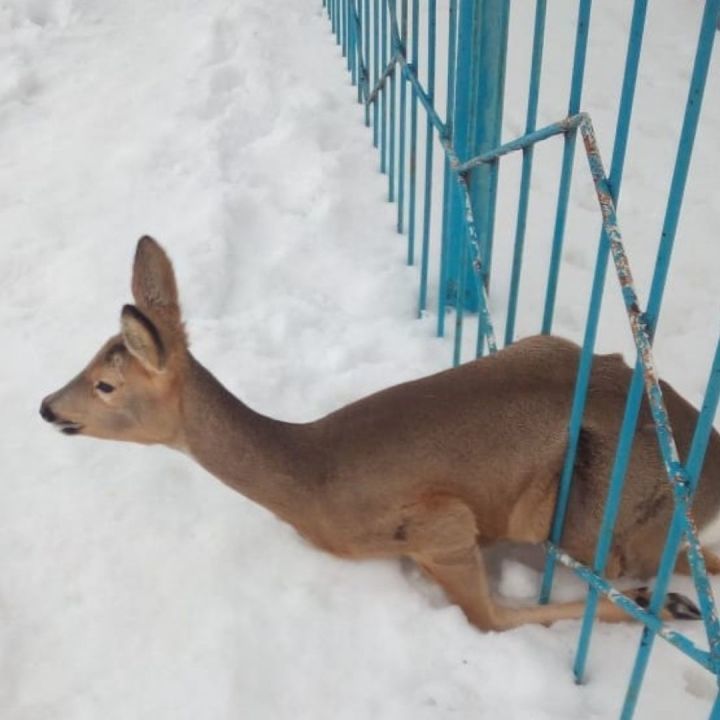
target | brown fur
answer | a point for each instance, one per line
(431, 469)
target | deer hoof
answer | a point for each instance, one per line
(681, 607)
(676, 607)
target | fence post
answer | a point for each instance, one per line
(477, 124)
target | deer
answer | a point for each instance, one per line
(436, 469)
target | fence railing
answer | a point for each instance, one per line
(383, 44)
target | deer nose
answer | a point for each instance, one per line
(46, 413)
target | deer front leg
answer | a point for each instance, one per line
(461, 573)
(442, 536)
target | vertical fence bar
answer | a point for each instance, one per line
(346, 34)
(356, 6)
(383, 92)
(482, 43)
(393, 113)
(449, 185)
(366, 32)
(403, 104)
(376, 73)
(581, 39)
(466, 88)
(715, 713)
(582, 381)
(412, 170)
(493, 26)
(632, 408)
(527, 162)
(343, 27)
(351, 41)
(427, 205)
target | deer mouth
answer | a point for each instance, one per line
(69, 428)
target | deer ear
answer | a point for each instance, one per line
(142, 338)
(153, 282)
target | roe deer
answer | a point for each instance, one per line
(432, 469)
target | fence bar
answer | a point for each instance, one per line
(412, 171)
(472, 252)
(677, 188)
(355, 22)
(581, 40)
(360, 59)
(425, 100)
(366, 55)
(459, 291)
(403, 109)
(638, 325)
(383, 88)
(696, 456)
(351, 41)
(494, 23)
(376, 70)
(379, 86)
(393, 40)
(715, 714)
(427, 205)
(343, 27)
(582, 381)
(356, 15)
(448, 185)
(533, 96)
(524, 141)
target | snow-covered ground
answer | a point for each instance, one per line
(132, 584)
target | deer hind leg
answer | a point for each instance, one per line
(462, 575)
(443, 537)
(712, 563)
(444, 546)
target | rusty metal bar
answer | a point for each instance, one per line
(649, 320)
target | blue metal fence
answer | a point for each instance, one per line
(383, 41)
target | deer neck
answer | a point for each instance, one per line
(264, 459)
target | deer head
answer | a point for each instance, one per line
(131, 389)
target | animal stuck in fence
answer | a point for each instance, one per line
(434, 469)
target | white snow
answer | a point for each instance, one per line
(134, 585)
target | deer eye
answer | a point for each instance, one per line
(104, 387)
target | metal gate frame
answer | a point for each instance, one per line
(373, 34)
